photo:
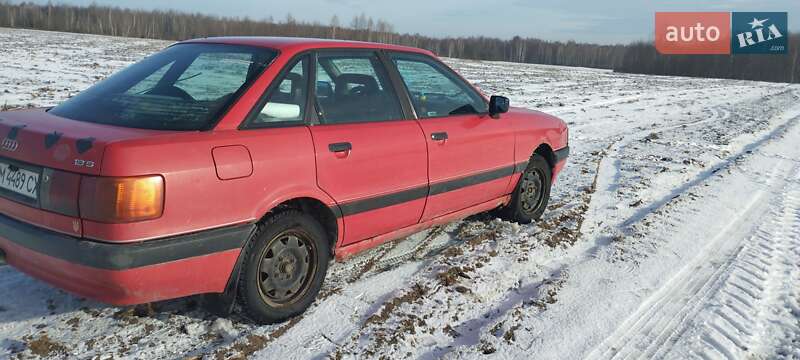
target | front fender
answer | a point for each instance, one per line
(533, 129)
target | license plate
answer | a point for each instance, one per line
(18, 180)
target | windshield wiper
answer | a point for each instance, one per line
(176, 81)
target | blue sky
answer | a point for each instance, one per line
(608, 21)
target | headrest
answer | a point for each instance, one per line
(297, 85)
(367, 81)
(294, 77)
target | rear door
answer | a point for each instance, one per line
(371, 156)
(470, 154)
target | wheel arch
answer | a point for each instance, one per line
(223, 304)
(546, 151)
(314, 207)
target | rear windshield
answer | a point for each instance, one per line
(185, 87)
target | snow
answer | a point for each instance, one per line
(674, 232)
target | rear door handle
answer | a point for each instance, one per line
(439, 136)
(340, 147)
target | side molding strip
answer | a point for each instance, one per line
(369, 204)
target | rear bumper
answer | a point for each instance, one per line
(125, 274)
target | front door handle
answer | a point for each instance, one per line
(439, 136)
(340, 147)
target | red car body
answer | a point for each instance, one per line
(219, 183)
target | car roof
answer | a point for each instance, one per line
(296, 44)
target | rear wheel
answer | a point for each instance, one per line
(532, 193)
(285, 265)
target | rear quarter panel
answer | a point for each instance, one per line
(195, 198)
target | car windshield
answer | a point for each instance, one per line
(185, 87)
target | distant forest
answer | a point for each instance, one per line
(172, 25)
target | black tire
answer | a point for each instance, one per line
(532, 193)
(284, 266)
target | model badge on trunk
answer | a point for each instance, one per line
(84, 163)
(10, 144)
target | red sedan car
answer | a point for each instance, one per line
(241, 166)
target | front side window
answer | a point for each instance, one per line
(287, 101)
(185, 87)
(435, 91)
(354, 88)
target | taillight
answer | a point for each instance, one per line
(59, 192)
(121, 200)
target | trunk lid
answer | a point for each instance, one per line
(39, 138)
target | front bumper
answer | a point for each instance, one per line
(561, 161)
(125, 274)
(562, 154)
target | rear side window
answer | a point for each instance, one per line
(435, 90)
(185, 87)
(287, 101)
(354, 88)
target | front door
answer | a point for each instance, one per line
(470, 154)
(370, 159)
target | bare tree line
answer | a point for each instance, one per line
(643, 58)
(172, 25)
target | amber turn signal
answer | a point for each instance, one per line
(121, 200)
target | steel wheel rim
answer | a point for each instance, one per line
(286, 268)
(531, 190)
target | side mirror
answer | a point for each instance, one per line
(281, 112)
(498, 105)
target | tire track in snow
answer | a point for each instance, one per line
(649, 328)
(614, 181)
(665, 315)
(743, 312)
(610, 164)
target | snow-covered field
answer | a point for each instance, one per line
(674, 232)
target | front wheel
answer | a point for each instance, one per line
(285, 265)
(532, 193)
